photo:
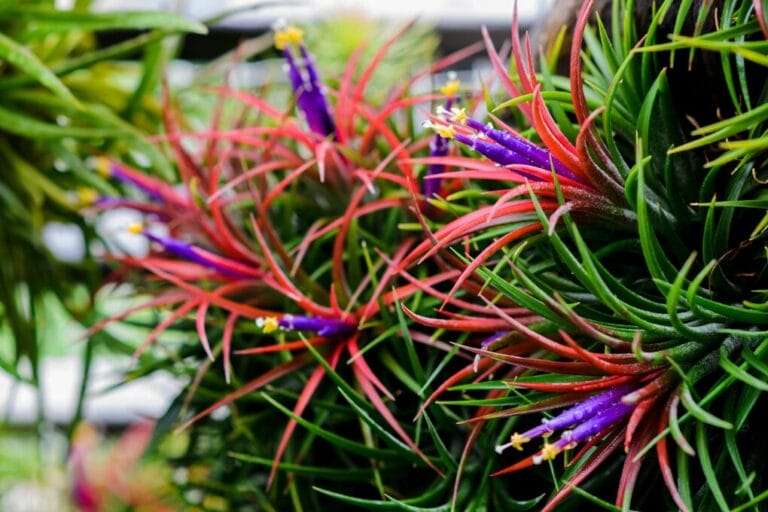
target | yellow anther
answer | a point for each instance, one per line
(451, 88)
(517, 441)
(86, 196)
(269, 324)
(102, 166)
(288, 36)
(446, 131)
(459, 115)
(136, 228)
(549, 451)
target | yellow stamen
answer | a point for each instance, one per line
(136, 228)
(451, 88)
(288, 36)
(195, 192)
(102, 166)
(459, 115)
(269, 325)
(446, 131)
(517, 441)
(86, 196)
(549, 451)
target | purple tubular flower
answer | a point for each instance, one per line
(490, 340)
(304, 95)
(492, 150)
(196, 255)
(120, 174)
(320, 103)
(589, 407)
(294, 74)
(438, 147)
(598, 423)
(310, 98)
(536, 156)
(588, 414)
(327, 327)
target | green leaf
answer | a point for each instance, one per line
(21, 124)
(24, 60)
(323, 472)
(336, 439)
(48, 20)
(741, 374)
(381, 505)
(710, 475)
(699, 412)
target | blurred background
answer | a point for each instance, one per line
(51, 377)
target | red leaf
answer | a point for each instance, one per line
(301, 403)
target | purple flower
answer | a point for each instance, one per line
(592, 416)
(486, 344)
(305, 81)
(603, 419)
(493, 338)
(536, 156)
(492, 150)
(121, 173)
(439, 146)
(197, 255)
(326, 327)
(500, 146)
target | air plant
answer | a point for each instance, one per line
(634, 308)
(214, 257)
(105, 479)
(546, 258)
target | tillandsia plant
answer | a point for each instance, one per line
(586, 253)
(116, 478)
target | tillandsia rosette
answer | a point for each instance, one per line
(542, 276)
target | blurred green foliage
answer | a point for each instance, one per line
(64, 98)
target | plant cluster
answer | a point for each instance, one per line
(503, 308)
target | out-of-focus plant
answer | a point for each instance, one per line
(63, 98)
(335, 41)
(114, 477)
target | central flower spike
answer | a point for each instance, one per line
(592, 416)
(189, 252)
(500, 146)
(305, 81)
(439, 145)
(326, 327)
